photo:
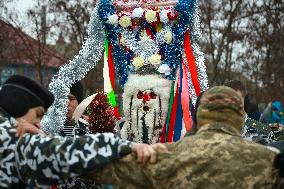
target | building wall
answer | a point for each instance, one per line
(26, 70)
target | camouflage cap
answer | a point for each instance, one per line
(223, 105)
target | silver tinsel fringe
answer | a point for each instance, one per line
(196, 34)
(191, 89)
(201, 68)
(69, 73)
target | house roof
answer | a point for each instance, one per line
(16, 47)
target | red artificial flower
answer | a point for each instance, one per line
(172, 15)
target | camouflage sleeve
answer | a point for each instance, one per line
(125, 173)
(44, 161)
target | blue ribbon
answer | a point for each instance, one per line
(178, 123)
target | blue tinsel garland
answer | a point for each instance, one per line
(172, 53)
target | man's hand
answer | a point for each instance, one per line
(147, 152)
(25, 127)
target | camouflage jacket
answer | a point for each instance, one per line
(215, 157)
(71, 129)
(44, 161)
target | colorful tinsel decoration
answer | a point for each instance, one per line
(175, 34)
(146, 37)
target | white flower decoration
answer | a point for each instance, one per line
(164, 16)
(125, 21)
(164, 69)
(151, 16)
(138, 62)
(168, 37)
(137, 13)
(122, 41)
(113, 19)
(155, 59)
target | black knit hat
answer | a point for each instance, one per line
(19, 94)
(77, 91)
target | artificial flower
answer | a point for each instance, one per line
(136, 23)
(164, 16)
(137, 13)
(155, 59)
(122, 41)
(164, 69)
(113, 19)
(168, 37)
(172, 15)
(151, 16)
(138, 62)
(125, 21)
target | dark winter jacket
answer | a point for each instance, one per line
(42, 161)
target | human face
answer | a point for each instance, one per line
(72, 105)
(33, 116)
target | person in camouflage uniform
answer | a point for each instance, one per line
(42, 161)
(215, 157)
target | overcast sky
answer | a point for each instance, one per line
(20, 7)
(22, 4)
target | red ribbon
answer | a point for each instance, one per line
(110, 65)
(116, 113)
(170, 136)
(191, 63)
(185, 99)
(162, 137)
(112, 76)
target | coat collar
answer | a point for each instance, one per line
(3, 113)
(4, 116)
(220, 127)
